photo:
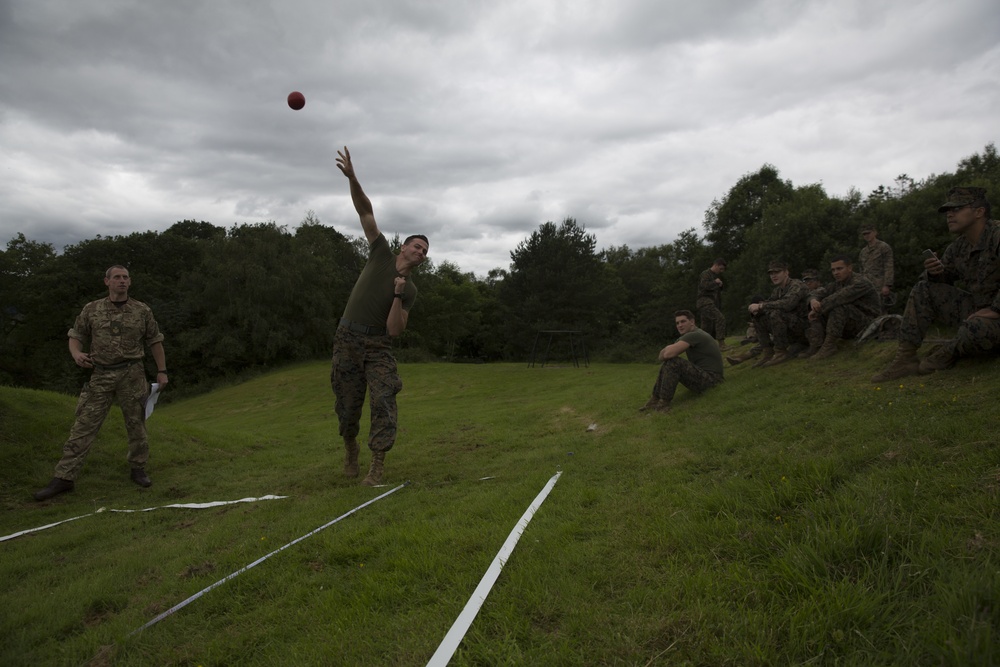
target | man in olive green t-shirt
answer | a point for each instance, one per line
(701, 371)
(377, 310)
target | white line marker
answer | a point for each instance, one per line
(259, 561)
(194, 506)
(461, 625)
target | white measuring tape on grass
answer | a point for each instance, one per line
(461, 625)
(193, 506)
(261, 560)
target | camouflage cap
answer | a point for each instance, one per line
(867, 227)
(810, 274)
(963, 196)
(776, 265)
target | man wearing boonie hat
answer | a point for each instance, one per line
(972, 259)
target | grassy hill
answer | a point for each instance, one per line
(795, 515)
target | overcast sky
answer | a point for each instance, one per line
(473, 121)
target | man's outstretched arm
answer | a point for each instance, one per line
(362, 204)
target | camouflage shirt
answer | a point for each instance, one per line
(708, 289)
(791, 298)
(857, 291)
(113, 333)
(876, 264)
(977, 267)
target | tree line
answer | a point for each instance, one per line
(257, 296)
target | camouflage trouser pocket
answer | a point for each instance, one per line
(83, 398)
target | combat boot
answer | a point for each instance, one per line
(140, 477)
(351, 449)
(766, 356)
(828, 349)
(56, 486)
(780, 357)
(651, 404)
(815, 338)
(941, 358)
(374, 477)
(746, 356)
(903, 365)
(722, 345)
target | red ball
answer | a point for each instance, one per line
(296, 100)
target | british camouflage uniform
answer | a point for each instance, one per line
(708, 303)
(362, 352)
(117, 337)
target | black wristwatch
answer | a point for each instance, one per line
(397, 296)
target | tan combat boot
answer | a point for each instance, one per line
(351, 458)
(374, 477)
(815, 337)
(903, 365)
(828, 349)
(651, 404)
(780, 356)
(765, 357)
(941, 358)
(740, 358)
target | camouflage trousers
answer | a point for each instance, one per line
(363, 364)
(711, 319)
(681, 371)
(939, 302)
(130, 387)
(779, 328)
(846, 321)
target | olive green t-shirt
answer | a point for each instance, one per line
(704, 351)
(371, 298)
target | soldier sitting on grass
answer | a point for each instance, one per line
(973, 259)
(841, 309)
(701, 371)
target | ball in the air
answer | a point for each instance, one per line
(296, 100)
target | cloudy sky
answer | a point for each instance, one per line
(473, 121)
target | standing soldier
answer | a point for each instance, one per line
(117, 329)
(876, 265)
(709, 302)
(782, 319)
(377, 310)
(973, 259)
(842, 309)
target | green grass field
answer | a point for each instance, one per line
(795, 515)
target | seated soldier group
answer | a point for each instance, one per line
(808, 321)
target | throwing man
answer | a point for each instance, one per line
(376, 311)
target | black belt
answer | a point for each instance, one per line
(362, 328)
(115, 367)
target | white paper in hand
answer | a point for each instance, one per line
(154, 393)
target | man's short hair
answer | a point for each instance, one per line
(842, 257)
(417, 236)
(107, 274)
(719, 261)
(684, 313)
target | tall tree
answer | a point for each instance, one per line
(558, 282)
(727, 221)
